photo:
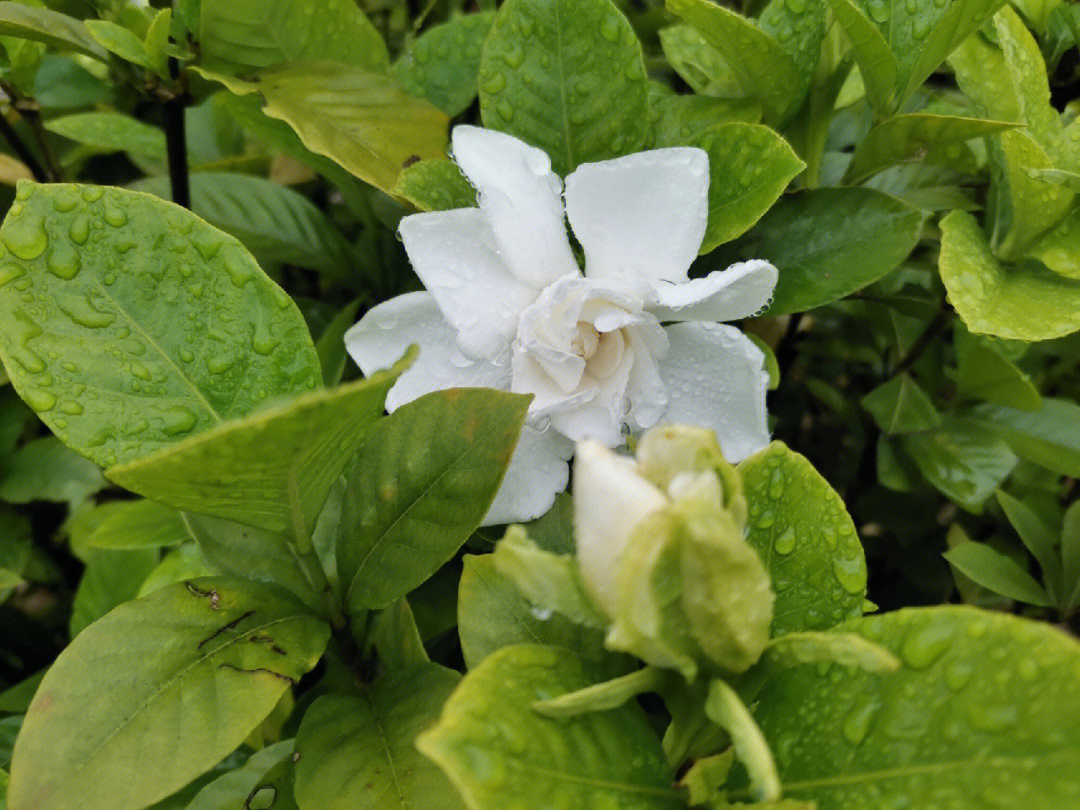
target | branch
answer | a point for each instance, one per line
(176, 141)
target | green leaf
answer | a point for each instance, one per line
(1049, 436)
(120, 41)
(907, 138)
(218, 652)
(397, 637)
(566, 76)
(258, 555)
(1026, 302)
(985, 374)
(724, 707)
(605, 695)
(962, 460)
(799, 526)
(906, 42)
(126, 288)
(245, 35)
(422, 482)
(51, 27)
(493, 613)
(111, 132)
(1060, 248)
(182, 563)
(272, 221)
(847, 649)
(435, 185)
(829, 242)
(137, 524)
(110, 579)
(998, 572)
(764, 68)
(901, 406)
(156, 43)
(45, 470)
(233, 789)
(498, 752)
(442, 65)
(1023, 207)
(941, 732)
(554, 530)
(363, 121)
(679, 119)
(749, 168)
(356, 753)
(1039, 538)
(698, 63)
(272, 469)
(331, 343)
(1070, 555)
(549, 581)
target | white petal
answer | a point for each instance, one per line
(601, 416)
(723, 295)
(642, 214)
(610, 498)
(451, 252)
(537, 472)
(386, 331)
(645, 388)
(715, 378)
(521, 199)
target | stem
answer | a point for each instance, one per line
(22, 150)
(936, 326)
(29, 111)
(176, 141)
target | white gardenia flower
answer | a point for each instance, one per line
(632, 341)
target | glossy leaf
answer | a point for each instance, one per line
(907, 138)
(493, 613)
(397, 638)
(363, 121)
(962, 460)
(137, 524)
(765, 70)
(356, 753)
(898, 46)
(1060, 248)
(274, 222)
(1026, 302)
(331, 343)
(111, 132)
(245, 35)
(442, 65)
(122, 351)
(181, 563)
(118, 40)
(435, 185)
(272, 469)
(1049, 436)
(984, 373)
(111, 578)
(799, 526)
(48, 26)
(422, 482)
(237, 786)
(566, 76)
(698, 63)
(497, 751)
(901, 406)
(45, 470)
(1038, 537)
(941, 732)
(217, 653)
(257, 554)
(997, 572)
(827, 243)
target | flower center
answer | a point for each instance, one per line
(585, 341)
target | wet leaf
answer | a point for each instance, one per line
(940, 732)
(356, 753)
(122, 347)
(422, 482)
(219, 652)
(272, 469)
(442, 65)
(1026, 301)
(566, 76)
(48, 26)
(498, 752)
(801, 529)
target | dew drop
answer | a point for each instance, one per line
(221, 363)
(857, 722)
(25, 236)
(84, 313)
(9, 272)
(80, 229)
(238, 269)
(71, 408)
(39, 399)
(785, 543)
(850, 574)
(178, 420)
(610, 29)
(92, 193)
(64, 261)
(925, 646)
